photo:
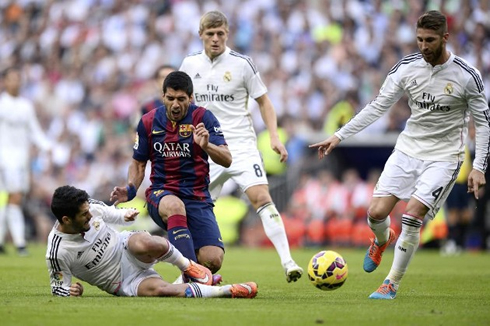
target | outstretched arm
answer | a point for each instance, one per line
(326, 146)
(136, 173)
(270, 120)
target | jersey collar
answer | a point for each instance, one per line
(219, 58)
(443, 66)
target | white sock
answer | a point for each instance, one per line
(381, 229)
(175, 257)
(16, 223)
(3, 224)
(197, 290)
(405, 247)
(275, 231)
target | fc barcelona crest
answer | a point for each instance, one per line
(185, 130)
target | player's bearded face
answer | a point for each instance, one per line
(214, 40)
(176, 103)
(431, 45)
(81, 221)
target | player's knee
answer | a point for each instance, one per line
(212, 262)
(171, 205)
(377, 212)
(258, 195)
(261, 200)
(214, 265)
(157, 246)
(152, 246)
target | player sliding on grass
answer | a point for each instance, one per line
(443, 90)
(81, 244)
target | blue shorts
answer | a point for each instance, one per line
(201, 220)
(458, 197)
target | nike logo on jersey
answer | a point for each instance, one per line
(177, 231)
(156, 132)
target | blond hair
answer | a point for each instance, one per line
(213, 19)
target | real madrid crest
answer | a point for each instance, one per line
(185, 130)
(227, 77)
(96, 225)
(448, 89)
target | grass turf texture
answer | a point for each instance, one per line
(435, 291)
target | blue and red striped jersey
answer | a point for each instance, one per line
(178, 165)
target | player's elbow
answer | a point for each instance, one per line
(225, 158)
(227, 162)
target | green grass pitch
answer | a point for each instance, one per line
(435, 291)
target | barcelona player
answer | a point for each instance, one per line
(178, 139)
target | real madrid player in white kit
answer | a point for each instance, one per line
(81, 244)
(443, 90)
(223, 82)
(19, 129)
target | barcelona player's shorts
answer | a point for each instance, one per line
(201, 220)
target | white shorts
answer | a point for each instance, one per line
(247, 170)
(133, 271)
(430, 182)
(13, 180)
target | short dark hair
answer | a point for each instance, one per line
(67, 201)
(161, 67)
(179, 81)
(433, 20)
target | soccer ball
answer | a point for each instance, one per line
(327, 270)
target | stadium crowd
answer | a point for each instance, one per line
(87, 66)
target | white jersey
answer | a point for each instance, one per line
(19, 128)
(224, 86)
(441, 99)
(93, 257)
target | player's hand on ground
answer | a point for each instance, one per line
(76, 289)
(326, 146)
(201, 135)
(476, 179)
(131, 214)
(280, 149)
